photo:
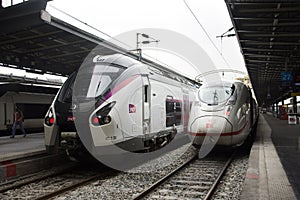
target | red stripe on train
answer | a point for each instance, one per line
(217, 134)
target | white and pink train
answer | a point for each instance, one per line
(120, 101)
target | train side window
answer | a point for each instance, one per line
(33, 111)
(170, 105)
(170, 111)
(178, 112)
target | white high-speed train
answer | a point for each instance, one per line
(120, 101)
(225, 114)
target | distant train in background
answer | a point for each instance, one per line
(225, 109)
(33, 100)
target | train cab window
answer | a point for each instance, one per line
(97, 80)
(102, 77)
(215, 95)
(65, 94)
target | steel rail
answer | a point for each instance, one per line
(31, 178)
(78, 184)
(165, 178)
(219, 178)
(162, 180)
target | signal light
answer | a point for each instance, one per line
(101, 117)
(49, 119)
(95, 121)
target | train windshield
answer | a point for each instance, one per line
(90, 83)
(215, 95)
(97, 81)
(65, 94)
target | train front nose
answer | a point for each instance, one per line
(215, 129)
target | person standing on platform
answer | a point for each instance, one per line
(19, 118)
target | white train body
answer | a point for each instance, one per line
(138, 108)
(225, 114)
(33, 104)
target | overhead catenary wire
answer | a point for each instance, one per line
(109, 36)
(191, 11)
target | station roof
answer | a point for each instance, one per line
(33, 40)
(268, 32)
(25, 88)
(37, 42)
(10, 78)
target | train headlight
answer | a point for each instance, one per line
(49, 119)
(96, 121)
(102, 116)
(107, 119)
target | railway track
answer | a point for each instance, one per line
(35, 177)
(56, 184)
(189, 179)
(79, 182)
(194, 179)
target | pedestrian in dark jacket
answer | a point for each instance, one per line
(19, 118)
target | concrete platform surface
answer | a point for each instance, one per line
(19, 147)
(286, 139)
(266, 177)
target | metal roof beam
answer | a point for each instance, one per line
(271, 10)
(54, 46)
(266, 18)
(267, 61)
(256, 34)
(255, 42)
(63, 55)
(29, 37)
(271, 24)
(263, 55)
(268, 50)
(250, 3)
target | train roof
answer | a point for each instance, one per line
(128, 60)
(118, 59)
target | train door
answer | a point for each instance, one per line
(157, 106)
(146, 105)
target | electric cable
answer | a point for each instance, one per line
(206, 33)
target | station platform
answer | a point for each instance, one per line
(274, 162)
(20, 147)
(22, 157)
